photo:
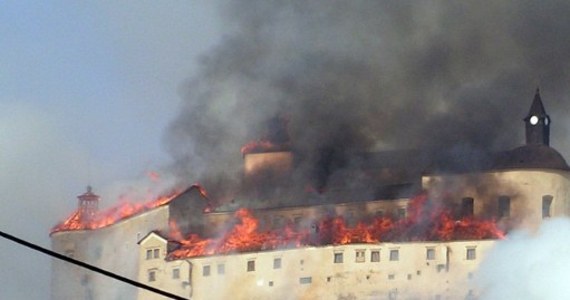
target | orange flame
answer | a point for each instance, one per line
(421, 224)
(111, 215)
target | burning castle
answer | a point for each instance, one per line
(387, 225)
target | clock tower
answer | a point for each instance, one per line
(537, 123)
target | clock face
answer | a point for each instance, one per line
(546, 121)
(534, 120)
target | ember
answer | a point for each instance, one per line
(421, 224)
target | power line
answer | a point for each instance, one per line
(89, 267)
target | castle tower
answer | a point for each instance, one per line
(537, 123)
(88, 204)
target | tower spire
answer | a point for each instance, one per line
(537, 123)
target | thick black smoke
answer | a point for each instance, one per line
(370, 75)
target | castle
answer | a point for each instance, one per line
(417, 232)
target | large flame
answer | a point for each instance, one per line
(423, 223)
(112, 215)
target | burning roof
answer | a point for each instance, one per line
(423, 223)
(121, 211)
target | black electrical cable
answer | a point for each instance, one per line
(89, 267)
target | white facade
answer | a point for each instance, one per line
(420, 270)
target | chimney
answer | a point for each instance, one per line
(88, 205)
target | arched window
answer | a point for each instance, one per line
(546, 206)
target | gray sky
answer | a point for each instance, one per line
(87, 89)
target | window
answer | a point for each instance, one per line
(546, 204)
(401, 213)
(338, 258)
(251, 265)
(391, 276)
(305, 280)
(277, 263)
(149, 254)
(467, 207)
(270, 283)
(379, 213)
(151, 275)
(350, 217)
(175, 273)
(409, 276)
(221, 269)
(206, 270)
(360, 257)
(375, 256)
(297, 219)
(156, 253)
(394, 254)
(471, 254)
(278, 222)
(430, 254)
(504, 207)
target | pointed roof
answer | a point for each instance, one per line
(536, 108)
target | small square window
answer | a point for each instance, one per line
(206, 270)
(394, 255)
(430, 254)
(391, 276)
(149, 254)
(156, 253)
(375, 256)
(175, 273)
(338, 259)
(471, 254)
(270, 283)
(277, 263)
(401, 213)
(409, 276)
(221, 269)
(251, 266)
(151, 276)
(360, 256)
(305, 280)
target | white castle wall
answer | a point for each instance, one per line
(313, 273)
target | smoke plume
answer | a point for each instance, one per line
(528, 266)
(372, 75)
